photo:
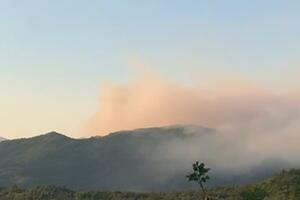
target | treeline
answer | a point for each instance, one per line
(60, 193)
(284, 186)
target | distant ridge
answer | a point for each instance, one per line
(52, 135)
(2, 139)
(183, 129)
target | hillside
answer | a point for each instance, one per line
(2, 139)
(152, 159)
(284, 186)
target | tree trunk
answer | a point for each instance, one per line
(203, 191)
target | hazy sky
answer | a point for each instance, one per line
(55, 55)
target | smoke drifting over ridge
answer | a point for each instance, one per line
(151, 101)
(255, 125)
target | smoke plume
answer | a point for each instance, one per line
(256, 127)
(234, 106)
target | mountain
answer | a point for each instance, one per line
(148, 159)
(2, 139)
(285, 185)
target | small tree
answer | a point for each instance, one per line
(200, 176)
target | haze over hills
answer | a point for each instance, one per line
(141, 160)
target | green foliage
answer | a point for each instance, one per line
(199, 173)
(255, 193)
(284, 186)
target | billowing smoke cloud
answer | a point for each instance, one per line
(232, 106)
(255, 126)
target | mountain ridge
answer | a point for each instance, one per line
(149, 159)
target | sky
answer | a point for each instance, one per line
(78, 67)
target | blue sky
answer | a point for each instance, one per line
(55, 54)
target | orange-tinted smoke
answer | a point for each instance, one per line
(232, 104)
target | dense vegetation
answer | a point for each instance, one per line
(285, 186)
